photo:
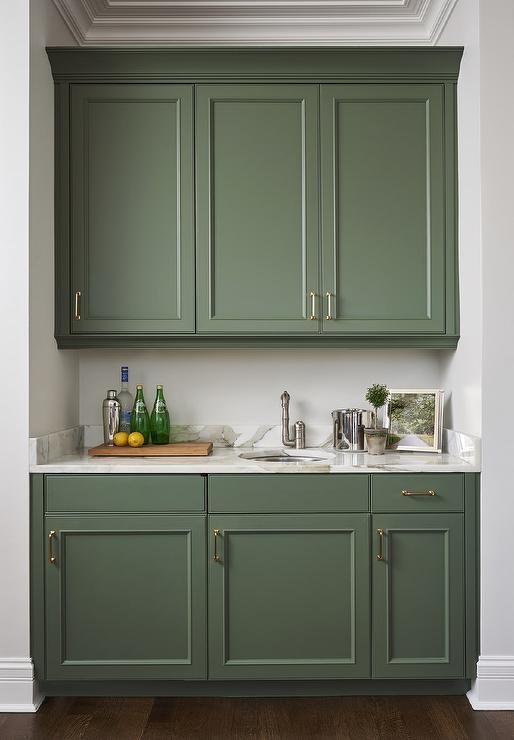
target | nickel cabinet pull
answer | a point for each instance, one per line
(51, 556)
(78, 296)
(380, 533)
(329, 316)
(419, 493)
(216, 555)
(313, 297)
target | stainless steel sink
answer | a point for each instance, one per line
(280, 457)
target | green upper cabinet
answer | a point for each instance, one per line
(257, 208)
(131, 217)
(383, 196)
(256, 197)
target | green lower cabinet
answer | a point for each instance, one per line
(418, 596)
(125, 597)
(289, 596)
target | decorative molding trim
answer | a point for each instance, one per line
(18, 689)
(255, 22)
(494, 685)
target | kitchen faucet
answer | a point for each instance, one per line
(299, 427)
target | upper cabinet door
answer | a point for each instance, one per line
(132, 218)
(383, 219)
(257, 209)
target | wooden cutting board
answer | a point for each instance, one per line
(178, 449)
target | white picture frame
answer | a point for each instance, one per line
(418, 425)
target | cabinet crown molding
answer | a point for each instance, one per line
(255, 22)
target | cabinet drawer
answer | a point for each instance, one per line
(262, 493)
(413, 493)
(124, 493)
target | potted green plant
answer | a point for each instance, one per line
(376, 437)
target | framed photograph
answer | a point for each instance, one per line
(415, 420)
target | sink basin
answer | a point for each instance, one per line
(280, 457)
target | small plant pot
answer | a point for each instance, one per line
(376, 440)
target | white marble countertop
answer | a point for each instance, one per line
(227, 460)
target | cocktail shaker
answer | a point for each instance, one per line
(111, 411)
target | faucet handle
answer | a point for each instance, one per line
(299, 435)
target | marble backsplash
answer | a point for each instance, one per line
(55, 445)
(265, 436)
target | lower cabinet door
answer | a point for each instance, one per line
(125, 597)
(289, 596)
(418, 596)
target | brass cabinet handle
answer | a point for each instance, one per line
(51, 556)
(329, 306)
(78, 296)
(419, 493)
(380, 533)
(216, 555)
(313, 297)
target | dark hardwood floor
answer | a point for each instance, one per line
(344, 718)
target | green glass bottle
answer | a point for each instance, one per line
(160, 420)
(139, 419)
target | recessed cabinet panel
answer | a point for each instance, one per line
(383, 208)
(257, 208)
(125, 597)
(289, 596)
(418, 596)
(131, 172)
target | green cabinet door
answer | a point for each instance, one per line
(132, 215)
(257, 208)
(289, 596)
(125, 597)
(383, 212)
(418, 596)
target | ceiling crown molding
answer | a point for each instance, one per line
(255, 22)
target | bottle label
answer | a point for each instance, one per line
(125, 418)
(124, 374)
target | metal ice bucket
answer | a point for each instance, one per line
(348, 429)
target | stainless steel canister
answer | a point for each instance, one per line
(348, 429)
(111, 411)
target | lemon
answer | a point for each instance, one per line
(136, 439)
(120, 439)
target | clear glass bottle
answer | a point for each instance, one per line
(160, 420)
(126, 399)
(139, 419)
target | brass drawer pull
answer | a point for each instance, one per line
(329, 306)
(313, 297)
(216, 555)
(51, 556)
(380, 533)
(78, 296)
(420, 493)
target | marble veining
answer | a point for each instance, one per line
(223, 435)
(66, 452)
(55, 445)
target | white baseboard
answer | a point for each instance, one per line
(494, 685)
(18, 689)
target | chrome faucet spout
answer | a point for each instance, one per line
(286, 440)
(298, 440)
